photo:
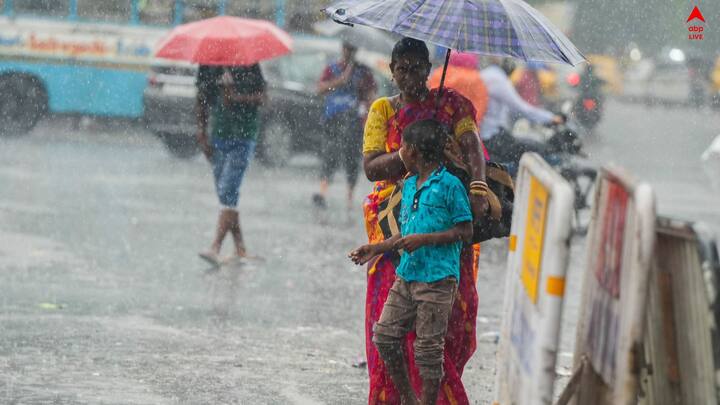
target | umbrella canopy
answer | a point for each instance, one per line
(492, 27)
(367, 38)
(225, 41)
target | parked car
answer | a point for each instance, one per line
(291, 117)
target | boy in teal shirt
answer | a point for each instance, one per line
(435, 220)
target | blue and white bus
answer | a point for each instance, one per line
(86, 57)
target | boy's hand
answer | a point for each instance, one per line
(411, 243)
(363, 254)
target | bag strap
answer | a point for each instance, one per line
(499, 175)
(495, 206)
(393, 201)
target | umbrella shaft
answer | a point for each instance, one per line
(442, 80)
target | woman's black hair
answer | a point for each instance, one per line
(410, 46)
(429, 137)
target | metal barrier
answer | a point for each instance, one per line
(612, 314)
(535, 284)
(681, 342)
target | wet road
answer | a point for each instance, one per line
(104, 301)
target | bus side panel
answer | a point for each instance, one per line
(87, 89)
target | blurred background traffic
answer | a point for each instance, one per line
(94, 59)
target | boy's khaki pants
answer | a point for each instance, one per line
(424, 307)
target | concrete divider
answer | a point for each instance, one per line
(535, 284)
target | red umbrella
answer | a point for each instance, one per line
(225, 41)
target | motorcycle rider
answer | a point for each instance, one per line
(588, 106)
(501, 144)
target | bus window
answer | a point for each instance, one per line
(45, 8)
(156, 12)
(107, 10)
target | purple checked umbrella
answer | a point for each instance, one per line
(509, 28)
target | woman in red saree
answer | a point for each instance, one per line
(387, 118)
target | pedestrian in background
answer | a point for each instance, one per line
(349, 88)
(228, 100)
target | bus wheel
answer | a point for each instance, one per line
(23, 103)
(180, 145)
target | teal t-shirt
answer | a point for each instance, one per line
(439, 204)
(235, 120)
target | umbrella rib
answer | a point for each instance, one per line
(462, 29)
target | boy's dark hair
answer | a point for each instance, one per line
(410, 46)
(429, 137)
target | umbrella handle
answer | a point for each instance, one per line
(442, 81)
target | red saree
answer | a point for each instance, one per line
(384, 125)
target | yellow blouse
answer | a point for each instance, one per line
(381, 111)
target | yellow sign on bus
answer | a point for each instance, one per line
(533, 242)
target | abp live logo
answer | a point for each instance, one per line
(695, 32)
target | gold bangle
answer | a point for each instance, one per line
(481, 193)
(478, 183)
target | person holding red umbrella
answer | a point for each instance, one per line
(228, 98)
(231, 89)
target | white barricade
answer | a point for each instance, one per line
(535, 284)
(612, 314)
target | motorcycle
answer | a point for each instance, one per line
(587, 108)
(561, 146)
